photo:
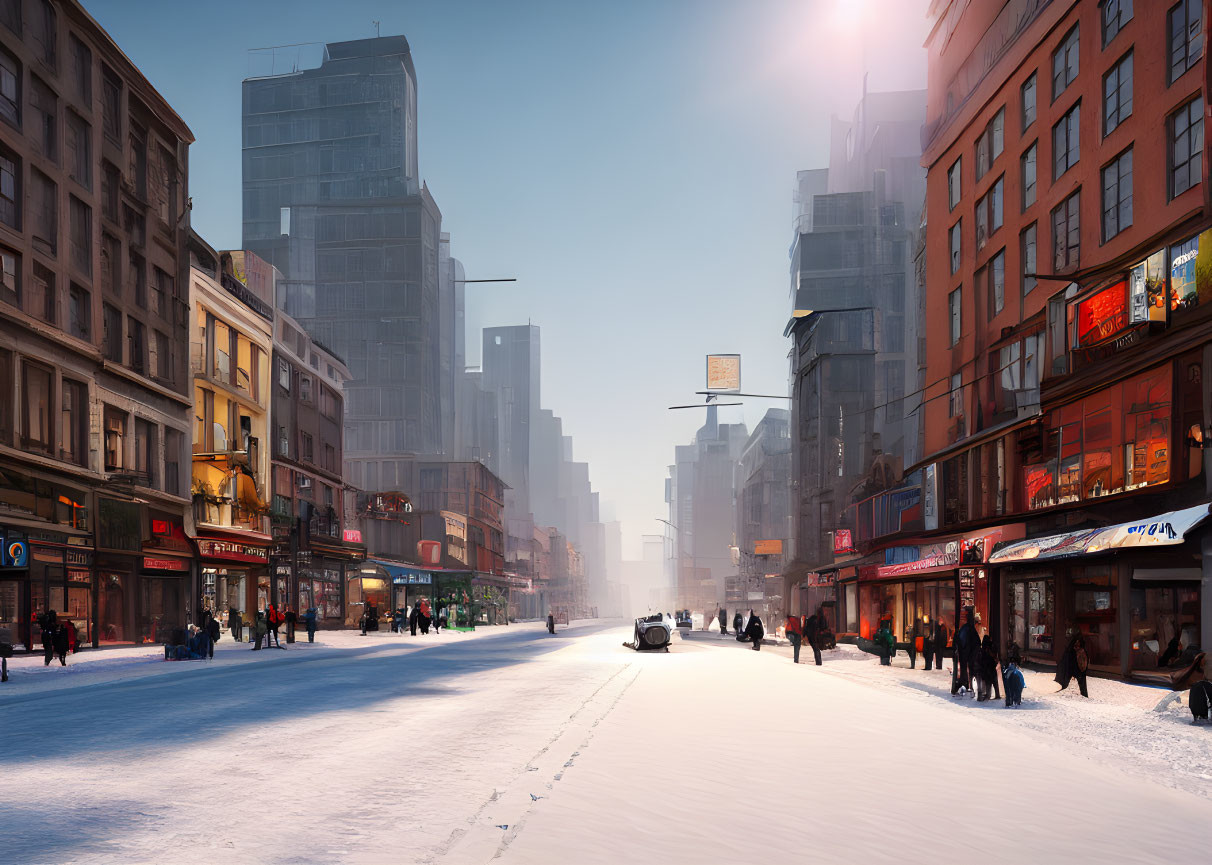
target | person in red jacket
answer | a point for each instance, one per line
(794, 636)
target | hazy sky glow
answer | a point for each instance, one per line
(630, 162)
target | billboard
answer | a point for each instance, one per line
(724, 372)
(767, 548)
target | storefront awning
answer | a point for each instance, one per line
(1162, 530)
(402, 574)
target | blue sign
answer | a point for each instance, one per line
(14, 552)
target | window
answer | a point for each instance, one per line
(45, 107)
(308, 451)
(138, 162)
(284, 375)
(283, 442)
(1064, 64)
(1186, 37)
(997, 283)
(82, 71)
(79, 150)
(10, 15)
(989, 213)
(10, 89)
(42, 31)
(36, 385)
(165, 359)
(327, 403)
(79, 312)
(8, 397)
(284, 221)
(222, 366)
(1186, 147)
(1026, 242)
(1117, 195)
(174, 442)
(953, 185)
(138, 345)
(1027, 165)
(305, 388)
(955, 246)
(73, 422)
(145, 450)
(81, 235)
(956, 407)
(40, 300)
(111, 271)
(44, 210)
(1008, 377)
(10, 186)
(109, 191)
(955, 313)
(10, 277)
(166, 187)
(111, 321)
(1028, 93)
(1117, 94)
(137, 276)
(111, 105)
(991, 143)
(1116, 13)
(1066, 233)
(115, 439)
(1066, 149)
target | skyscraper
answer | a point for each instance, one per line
(333, 199)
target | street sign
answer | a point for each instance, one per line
(724, 372)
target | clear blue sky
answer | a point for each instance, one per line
(631, 162)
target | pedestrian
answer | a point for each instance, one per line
(550, 622)
(967, 653)
(755, 630)
(258, 629)
(274, 619)
(437, 617)
(212, 627)
(292, 619)
(794, 631)
(723, 622)
(309, 619)
(397, 620)
(48, 621)
(424, 617)
(235, 624)
(927, 643)
(444, 616)
(60, 641)
(200, 644)
(737, 622)
(1073, 664)
(414, 617)
(812, 634)
(989, 671)
(939, 637)
(885, 642)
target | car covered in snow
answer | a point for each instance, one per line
(652, 632)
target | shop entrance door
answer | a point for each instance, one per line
(12, 603)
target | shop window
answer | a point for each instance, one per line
(73, 423)
(1147, 289)
(1165, 624)
(1096, 456)
(36, 384)
(1191, 274)
(1117, 94)
(1186, 147)
(1028, 92)
(1066, 142)
(955, 490)
(1185, 29)
(1033, 615)
(1094, 611)
(113, 604)
(1117, 195)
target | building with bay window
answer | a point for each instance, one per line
(1065, 482)
(94, 404)
(231, 348)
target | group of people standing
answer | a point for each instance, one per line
(421, 616)
(58, 638)
(805, 630)
(266, 624)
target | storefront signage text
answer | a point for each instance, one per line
(230, 550)
(843, 542)
(352, 536)
(151, 564)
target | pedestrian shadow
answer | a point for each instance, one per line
(177, 711)
(991, 703)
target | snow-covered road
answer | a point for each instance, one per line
(514, 744)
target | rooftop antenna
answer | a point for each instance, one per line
(376, 23)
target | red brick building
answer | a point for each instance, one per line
(1068, 392)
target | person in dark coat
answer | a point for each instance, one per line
(989, 673)
(438, 612)
(61, 641)
(211, 625)
(939, 637)
(755, 630)
(398, 618)
(309, 619)
(886, 642)
(414, 616)
(738, 622)
(1073, 664)
(723, 621)
(812, 635)
(292, 619)
(48, 621)
(551, 623)
(967, 655)
(259, 628)
(927, 633)
(795, 634)
(235, 624)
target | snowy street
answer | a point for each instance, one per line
(511, 743)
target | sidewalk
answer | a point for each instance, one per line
(28, 674)
(1142, 720)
